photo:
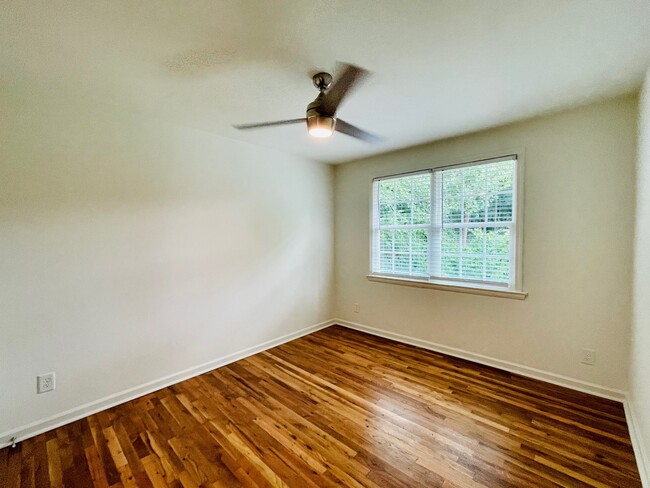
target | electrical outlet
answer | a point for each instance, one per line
(45, 382)
(588, 357)
(356, 308)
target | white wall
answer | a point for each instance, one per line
(579, 216)
(131, 249)
(640, 357)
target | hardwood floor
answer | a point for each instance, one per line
(339, 408)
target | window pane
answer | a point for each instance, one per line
(500, 207)
(497, 241)
(386, 214)
(497, 269)
(386, 240)
(387, 191)
(404, 203)
(422, 212)
(422, 187)
(450, 267)
(402, 264)
(472, 268)
(474, 179)
(419, 240)
(500, 176)
(419, 265)
(452, 183)
(472, 241)
(471, 196)
(402, 241)
(386, 262)
(451, 212)
(474, 208)
(403, 189)
(451, 240)
(403, 213)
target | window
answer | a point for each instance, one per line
(454, 225)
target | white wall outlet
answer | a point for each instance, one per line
(588, 357)
(356, 308)
(45, 382)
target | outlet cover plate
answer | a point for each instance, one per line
(588, 357)
(45, 382)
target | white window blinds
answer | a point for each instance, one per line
(402, 225)
(452, 224)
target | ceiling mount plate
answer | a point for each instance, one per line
(322, 80)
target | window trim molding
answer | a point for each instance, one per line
(456, 287)
(514, 291)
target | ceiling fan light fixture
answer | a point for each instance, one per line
(320, 126)
(321, 113)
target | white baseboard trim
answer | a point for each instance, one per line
(640, 450)
(537, 374)
(76, 413)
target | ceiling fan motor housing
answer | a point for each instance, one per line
(319, 122)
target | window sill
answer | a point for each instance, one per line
(516, 295)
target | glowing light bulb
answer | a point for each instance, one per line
(320, 132)
(320, 126)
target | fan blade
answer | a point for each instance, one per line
(268, 124)
(343, 127)
(351, 76)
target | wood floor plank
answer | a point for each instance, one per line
(339, 408)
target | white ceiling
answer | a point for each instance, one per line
(440, 68)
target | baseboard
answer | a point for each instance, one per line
(640, 450)
(537, 374)
(62, 418)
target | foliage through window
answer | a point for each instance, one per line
(450, 224)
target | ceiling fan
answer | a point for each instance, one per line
(321, 113)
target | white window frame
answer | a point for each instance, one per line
(513, 289)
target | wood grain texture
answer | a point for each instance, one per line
(339, 408)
